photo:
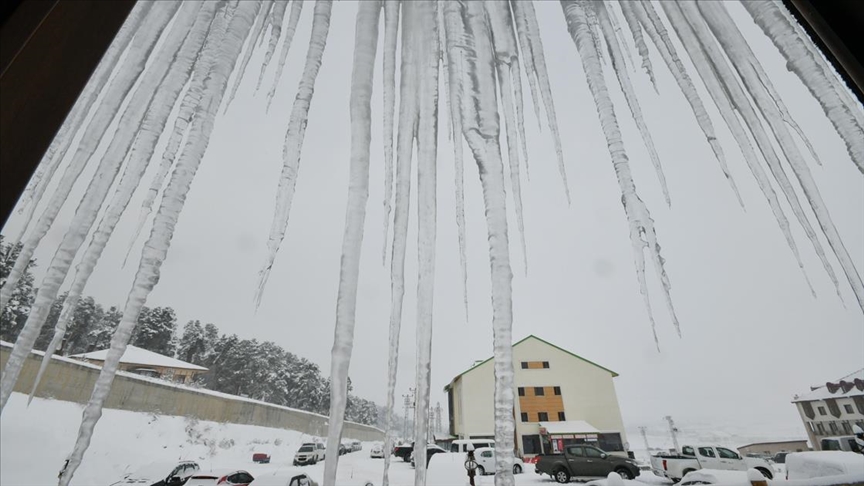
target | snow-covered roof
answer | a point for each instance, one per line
(569, 427)
(139, 356)
(848, 386)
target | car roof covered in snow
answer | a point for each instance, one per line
(713, 476)
(278, 478)
(139, 356)
(155, 470)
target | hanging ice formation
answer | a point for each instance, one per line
(481, 49)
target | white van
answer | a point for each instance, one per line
(461, 445)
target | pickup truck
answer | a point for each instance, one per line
(693, 458)
(584, 461)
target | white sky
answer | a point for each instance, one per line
(752, 334)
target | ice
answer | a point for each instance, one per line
(627, 9)
(293, 19)
(391, 30)
(277, 14)
(224, 57)
(261, 18)
(294, 139)
(365, 46)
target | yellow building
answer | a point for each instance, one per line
(147, 363)
(562, 399)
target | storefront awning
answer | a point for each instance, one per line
(569, 427)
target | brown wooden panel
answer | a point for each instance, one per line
(548, 402)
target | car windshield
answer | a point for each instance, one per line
(306, 449)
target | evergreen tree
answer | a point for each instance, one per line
(155, 330)
(14, 315)
(99, 337)
(192, 344)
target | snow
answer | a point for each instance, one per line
(822, 392)
(136, 355)
(817, 464)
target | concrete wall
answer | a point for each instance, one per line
(71, 380)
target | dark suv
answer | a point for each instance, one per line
(584, 461)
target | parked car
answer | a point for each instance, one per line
(343, 449)
(309, 453)
(356, 445)
(485, 457)
(283, 477)
(261, 458)
(694, 458)
(431, 450)
(780, 458)
(161, 474)
(584, 461)
(841, 443)
(461, 445)
(224, 477)
(404, 451)
(713, 476)
(820, 464)
(376, 451)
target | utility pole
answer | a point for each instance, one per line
(673, 431)
(408, 401)
(644, 430)
(438, 427)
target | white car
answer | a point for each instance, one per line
(820, 464)
(309, 453)
(160, 473)
(485, 457)
(376, 451)
(713, 476)
(284, 477)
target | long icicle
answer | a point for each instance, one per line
(659, 36)
(365, 47)
(425, 27)
(639, 40)
(63, 140)
(455, 33)
(391, 31)
(736, 47)
(505, 59)
(261, 18)
(480, 127)
(156, 248)
(769, 16)
(742, 103)
(525, 48)
(408, 114)
(293, 19)
(715, 88)
(642, 234)
(276, 17)
(607, 30)
(294, 139)
(133, 66)
(95, 194)
(139, 155)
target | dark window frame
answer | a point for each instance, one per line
(542, 416)
(524, 416)
(524, 365)
(545, 365)
(562, 417)
(556, 390)
(521, 391)
(541, 390)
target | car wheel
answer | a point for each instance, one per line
(624, 473)
(765, 472)
(481, 471)
(562, 476)
(517, 469)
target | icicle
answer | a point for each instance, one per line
(525, 48)
(260, 20)
(63, 140)
(139, 155)
(365, 46)
(157, 245)
(294, 139)
(744, 61)
(608, 33)
(532, 31)
(727, 111)
(639, 40)
(94, 196)
(127, 74)
(642, 234)
(267, 11)
(455, 35)
(391, 29)
(293, 18)
(769, 16)
(480, 127)
(657, 32)
(619, 36)
(408, 114)
(276, 17)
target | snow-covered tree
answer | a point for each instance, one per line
(155, 330)
(15, 313)
(192, 345)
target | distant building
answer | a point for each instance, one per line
(562, 399)
(832, 409)
(148, 363)
(771, 448)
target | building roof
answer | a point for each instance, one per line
(848, 386)
(139, 356)
(773, 442)
(569, 427)
(480, 363)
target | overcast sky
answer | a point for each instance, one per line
(752, 334)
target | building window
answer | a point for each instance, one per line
(610, 442)
(820, 429)
(833, 426)
(546, 365)
(524, 416)
(561, 417)
(521, 391)
(542, 417)
(557, 390)
(848, 408)
(821, 410)
(524, 365)
(538, 391)
(847, 429)
(531, 444)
